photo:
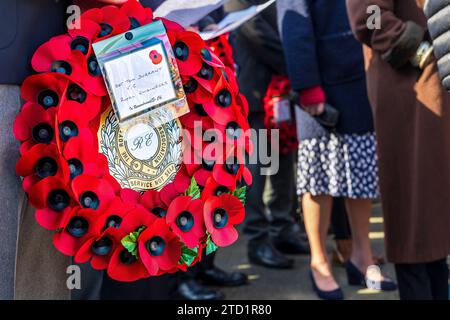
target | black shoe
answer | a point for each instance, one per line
(192, 290)
(335, 294)
(357, 278)
(218, 277)
(265, 254)
(291, 242)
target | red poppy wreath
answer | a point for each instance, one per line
(131, 234)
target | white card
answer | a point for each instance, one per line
(141, 80)
(281, 110)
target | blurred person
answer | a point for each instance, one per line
(412, 119)
(338, 159)
(28, 259)
(259, 56)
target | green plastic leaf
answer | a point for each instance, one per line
(210, 246)
(129, 242)
(240, 194)
(193, 190)
(188, 255)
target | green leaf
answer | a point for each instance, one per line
(210, 246)
(129, 242)
(193, 190)
(188, 255)
(240, 194)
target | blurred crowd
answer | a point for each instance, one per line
(373, 124)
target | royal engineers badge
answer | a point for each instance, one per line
(140, 156)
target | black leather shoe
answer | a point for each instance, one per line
(266, 255)
(218, 277)
(335, 294)
(192, 290)
(291, 242)
(357, 278)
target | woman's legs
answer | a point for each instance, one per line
(316, 212)
(359, 211)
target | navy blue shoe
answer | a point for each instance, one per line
(357, 278)
(336, 294)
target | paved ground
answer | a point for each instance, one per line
(294, 284)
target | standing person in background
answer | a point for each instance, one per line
(259, 55)
(412, 118)
(325, 65)
(28, 259)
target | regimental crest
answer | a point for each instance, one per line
(141, 156)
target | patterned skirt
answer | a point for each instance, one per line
(339, 165)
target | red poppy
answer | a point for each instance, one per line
(168, 193)
(232, 170)
(151, 201)
(195, 92)
(111, 20)
(221, 47)
(34, 125)
(53, 201)
(182, 179)
(212, 188)
(81, 38)
(137, 14)
(79, 228)
(92, 193)
(185, 218)
(124, 266)
(221, 214)
(159, 248)
(222, 107)
(208, 77)
(81, 154)
(187, 48)
(171, 26)
(99, 249)
(46, 89)
(40, 162)
(196, 115)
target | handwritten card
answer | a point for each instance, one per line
(140, 81)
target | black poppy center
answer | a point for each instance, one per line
(75, 167)
(75, 93)
(89, 200)
(93, 67)
(78, 227)
(159, 212)
(48, 99)
(43, 133)
(206, 54)
(223, 98)
(231, 166)
(81, 44)
(185, 221)
(190, 86)
(221, 190)
(106, 30)
(46, 167)
(58, 200)
(208, 165)
(181, 51)
(155, 246)
(233, 130)
(67, 130)
(206, 72)
(127, 258)
(113, 221)
(134, 23)
(200, 110)
(102, 247)
(220, 218)
(61, 66)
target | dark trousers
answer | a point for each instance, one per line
(423, 281)
(279, 197)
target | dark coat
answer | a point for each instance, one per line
(321, 50)
(412, 120)
(258, 53)
(24, 26)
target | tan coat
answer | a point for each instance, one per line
(412, 120)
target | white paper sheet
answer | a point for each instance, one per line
(235, 19)
(187, 12)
